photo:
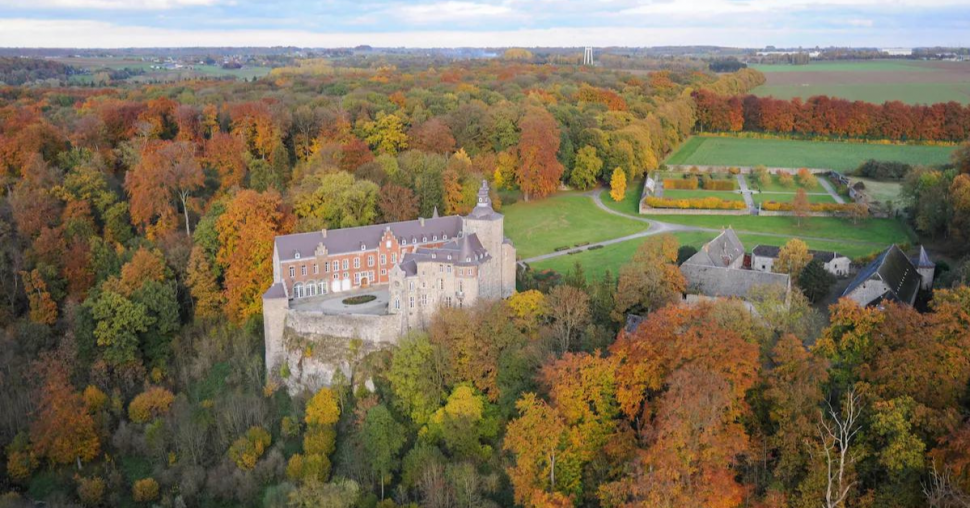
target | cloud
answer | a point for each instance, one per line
(107, 4)
(452, 11)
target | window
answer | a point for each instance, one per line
(411, 302)
(326, 267)
(370, 261)
(461, 286)
(441, 283)
(356, 263)
(424, 239)
(357, 279)
(424, 300)
(397, 303)
(449, 268)
(411, 285)
(404, 241)
(336, 276)
(435, 238)
(394, 258)
(336, 265)
(363, 247)
(292, 272)
(311, 289)
(441, 268)
(346, 264)
(316, 269)
(298, 290)
(388, 244)
(323, 287)
(445, 236)
(383, 259)
(383, 271)
(303, 270)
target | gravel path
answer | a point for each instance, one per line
(746, 194)
(824, 182)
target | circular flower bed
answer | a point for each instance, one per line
(357, 300)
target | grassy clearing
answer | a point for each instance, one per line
(612, 257)
(880, 232)
(539, 227)
(882, 191)
(691, 194)
(784, 153)
(631, 200)
(788, 197)
(859, 66)
(910, 93)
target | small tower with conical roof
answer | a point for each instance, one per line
(489, 226)
(925, 268)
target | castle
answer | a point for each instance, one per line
(401, 274)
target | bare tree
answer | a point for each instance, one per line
(570, 313)
(940, 491)
(836, 433)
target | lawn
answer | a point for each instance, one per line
(787, 197)
(784, 153)
(775, 186)
(882, 191)
(878, 81)
(539, 227)
(631, 200)
(691, 194)
(613, 257)
(880, 232)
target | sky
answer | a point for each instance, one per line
(483, 23)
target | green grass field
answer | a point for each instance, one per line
(691, 194)
(784, 153)
(877, 81)
(540, 226)
(631, 200)
(882, 191)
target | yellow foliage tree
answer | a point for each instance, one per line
(149, 404)
(145, 490)
(618, 185)
(323, 408)
(792, 258)
(528, 310)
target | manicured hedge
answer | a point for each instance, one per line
(685, 184)
(774, 206)
(719, 185)
(710, 203)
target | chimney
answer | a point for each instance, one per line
(422, 221)
(324, 233)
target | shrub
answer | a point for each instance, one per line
(719, 185)
(734, 170)
(145, 490)
(709, 203)
(686, 184)
(883, 170)
(806, 178)
(785, 179)
(150, 404)
(774, 206)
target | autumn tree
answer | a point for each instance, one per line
(383, 439)
(396, 203)
(539, 170)
(800, 205)
(586, 169)
(433, 135)
(417, 377)
(62, 430)
(224, 153)
(618, 185)
(815, 281)
(206, 293)
(385, 134)
(166, 169)
(569, 311)
(538, 440)
(247, 230)
(651, 280)
(42, 307)
(792, 258)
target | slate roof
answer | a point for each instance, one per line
(727, 282)
(770, 251)
(483, 209)
(342, 241)
(895, 270)
(923, 260)
(719, 252)
(465, 251)
(275, 291)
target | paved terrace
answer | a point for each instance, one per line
(332, 303)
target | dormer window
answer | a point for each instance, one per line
(363, 247)
(435, 238)
(297, 255)
(404, 241)
(424, 239)
(445, 236)
(434, 256)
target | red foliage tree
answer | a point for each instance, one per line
(539, 170)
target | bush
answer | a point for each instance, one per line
(685, 184)
(719, 185)
(785, 179)
(774, 206)
(710, 203)
(90, 490)
(883, 170)
(145, 490)
(734, 170)
(149, 404)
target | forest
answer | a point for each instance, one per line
(136, 235)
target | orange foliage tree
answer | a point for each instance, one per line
(539, 170)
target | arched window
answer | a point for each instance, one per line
(298, 290)
(323, 287)
(311, 289)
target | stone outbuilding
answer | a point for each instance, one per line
(891, 276)
(763, 259)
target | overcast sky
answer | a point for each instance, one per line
(420, 23)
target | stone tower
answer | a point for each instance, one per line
(489, 225)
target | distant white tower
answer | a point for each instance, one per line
(588, 56)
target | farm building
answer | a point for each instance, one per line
(716, 271)
(763, 259)
(891, 276)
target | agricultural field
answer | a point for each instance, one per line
(912, 82)
(786, 153)
(196, 71)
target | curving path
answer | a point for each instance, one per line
(656, 227)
